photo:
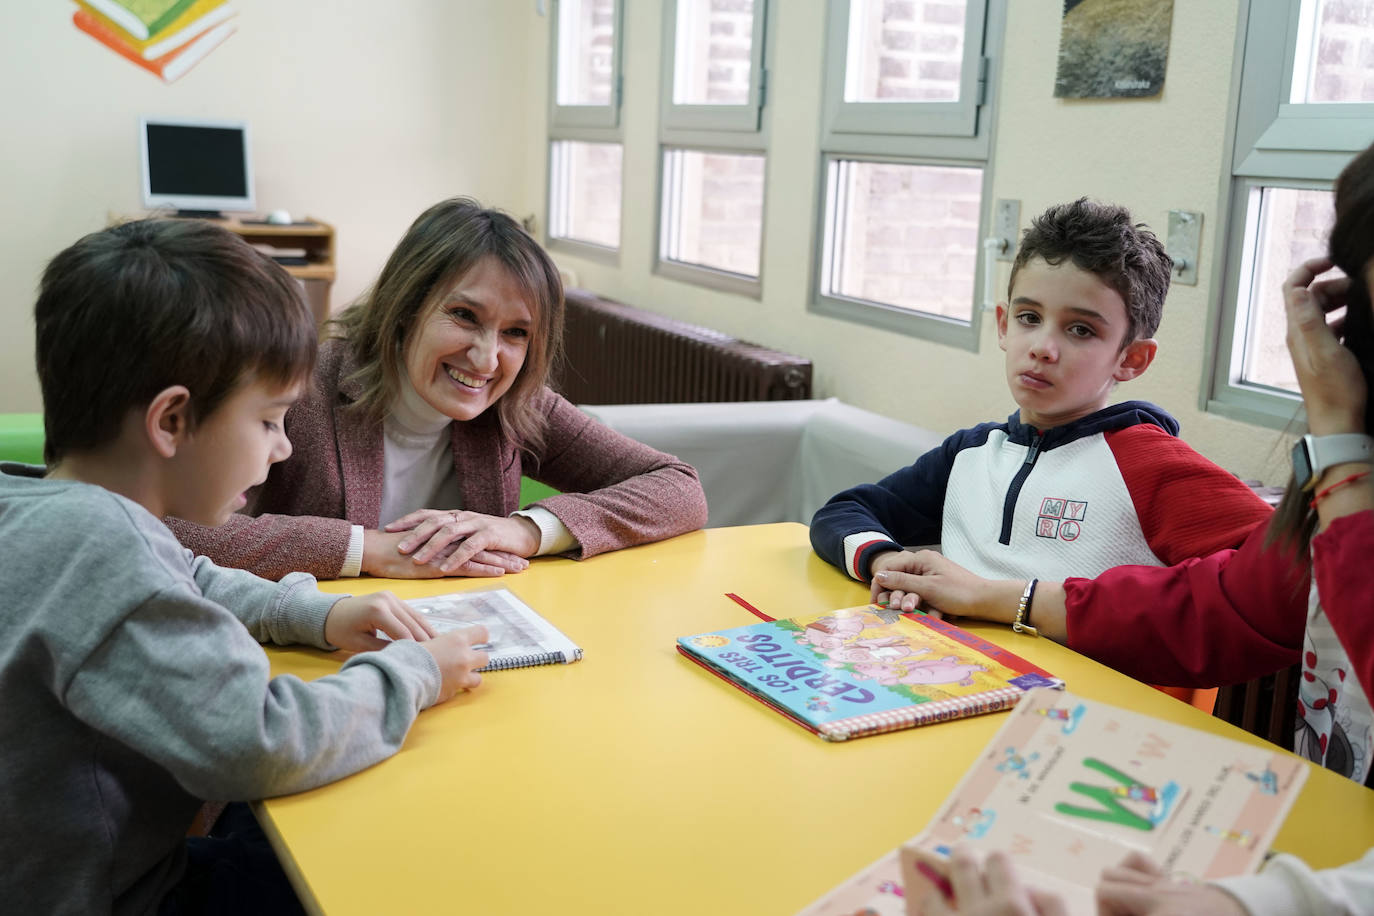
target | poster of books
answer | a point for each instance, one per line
(1113, 48)
(165, 37)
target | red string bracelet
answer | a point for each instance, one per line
(1336, 486)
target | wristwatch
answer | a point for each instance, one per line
(1312, 455)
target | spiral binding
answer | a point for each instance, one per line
(529, 661)
(876, 723)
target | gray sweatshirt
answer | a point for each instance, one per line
(132, 686)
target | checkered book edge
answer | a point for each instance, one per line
(876, 723)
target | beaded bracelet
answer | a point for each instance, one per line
(1022, 622)
(1336, 486)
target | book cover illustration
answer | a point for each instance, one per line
(865, 670)
(170, 55)
(519, 636)
(142, 18)
(193, 21)
(1069, 786)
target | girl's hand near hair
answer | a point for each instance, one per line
(1333, 388)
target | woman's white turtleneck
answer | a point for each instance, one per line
(417, 462)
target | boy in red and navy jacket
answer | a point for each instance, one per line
(1067, 486)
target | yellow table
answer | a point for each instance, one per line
(634, 781)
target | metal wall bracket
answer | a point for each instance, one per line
(1006, 220)
(1184, 244)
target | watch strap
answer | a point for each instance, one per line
(1328, 451)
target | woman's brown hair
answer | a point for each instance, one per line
(442, 245)
(1352, 250)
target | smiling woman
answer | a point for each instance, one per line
(428, 405)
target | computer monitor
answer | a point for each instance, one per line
(198, 167)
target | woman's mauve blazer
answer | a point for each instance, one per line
(616, 492)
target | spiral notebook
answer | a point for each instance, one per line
(518, 635)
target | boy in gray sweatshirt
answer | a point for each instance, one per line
(132, 685)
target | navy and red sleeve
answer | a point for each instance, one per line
(1207, 622)
(1188, 506)
(904, 508)
(1341, 560)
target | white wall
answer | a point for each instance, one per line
(1151, 155)
(365, 114)
(362, 115)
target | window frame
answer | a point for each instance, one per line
(932, 119)
(1275, 144)
(744, 118)
(703, 274)
(927, 141)
(582, 247)
(603, 117)
(697, 128)
(586, 124)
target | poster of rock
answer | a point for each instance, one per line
(1113, 48)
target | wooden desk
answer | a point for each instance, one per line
(635, 781)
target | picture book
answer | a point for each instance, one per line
(194, 20)
(866, 670)
(1070, 786)
(518, 635)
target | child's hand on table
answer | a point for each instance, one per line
(885, 590)
(458, 660)
(991, 890)
(1139, 887)
(353, 622)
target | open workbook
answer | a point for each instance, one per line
(866, 670)
(1070, 786)
(518, 635)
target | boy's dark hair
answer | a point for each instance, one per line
(129, 311)
(1101, 239)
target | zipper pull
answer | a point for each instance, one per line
(1035, 448)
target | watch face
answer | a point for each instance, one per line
(1302, 464)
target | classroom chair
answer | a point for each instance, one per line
(21, 437)
(531, 490)
(1266, 706)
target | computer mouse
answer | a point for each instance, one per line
(279, 218)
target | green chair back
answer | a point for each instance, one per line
(532, 490)
(21, 437)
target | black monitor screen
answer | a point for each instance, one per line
(196, 161)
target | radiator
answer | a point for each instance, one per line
(618, 354)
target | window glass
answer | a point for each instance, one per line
(903, 235)
(586, 52)
(713, 210)
(1283, 228)
(714, 50)
(905, 50)
(1334, 55)
(584, 192)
